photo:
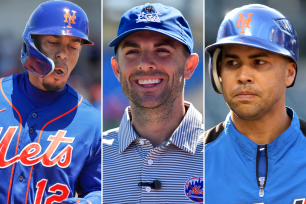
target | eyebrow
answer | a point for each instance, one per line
(262, 54)
(135, 45)
(165, 42)
(73, 39)
(76, 40)
(130, 44)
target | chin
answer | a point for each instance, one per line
(248, 113)
(146, 104)
(53, 87)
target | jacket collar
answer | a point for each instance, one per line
(249, 147)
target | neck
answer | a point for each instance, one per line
(157, 124)
(266, 129)
(35, 81)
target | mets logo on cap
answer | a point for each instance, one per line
(148, 14)
(244, 23)
(194, 189)
(69, 19)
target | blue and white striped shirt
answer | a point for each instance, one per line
(129, 159)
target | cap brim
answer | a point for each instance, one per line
(121, 37)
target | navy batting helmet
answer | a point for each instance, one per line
(257, 26)
(51, 18)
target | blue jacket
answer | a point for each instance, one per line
(231, 166)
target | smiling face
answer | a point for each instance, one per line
(254, 81)
(64, 51)
(152, 68)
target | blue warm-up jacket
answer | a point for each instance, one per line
(231, 166)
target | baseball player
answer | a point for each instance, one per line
(156, 155)
(50, 145)
(257, 155)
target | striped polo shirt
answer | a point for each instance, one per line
(177, 163)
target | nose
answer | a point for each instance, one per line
(62, 53)
(146, 62)
(245, 75)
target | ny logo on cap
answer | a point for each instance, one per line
(242, 22)
(148, 15)
(71, 18)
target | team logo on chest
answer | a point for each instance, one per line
(194, 189)
(69, 17)
(244, 23)
(28, 155)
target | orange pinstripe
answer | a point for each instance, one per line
(13, 166)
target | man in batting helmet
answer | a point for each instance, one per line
(50, 135)
(257, 153)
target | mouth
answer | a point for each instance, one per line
(245, 95)
(149, 82)
(60, 69)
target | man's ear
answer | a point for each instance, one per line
(219, 71)
(290, 73)
(115, 67)
(80, 50)
(190, 65)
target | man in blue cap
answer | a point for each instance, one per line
(156, 155)
(257, 155)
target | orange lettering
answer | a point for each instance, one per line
(242, 22)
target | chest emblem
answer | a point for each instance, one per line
(194, 189)
(29, 155)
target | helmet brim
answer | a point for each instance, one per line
(251, 42)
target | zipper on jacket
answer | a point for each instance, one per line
(261, 182)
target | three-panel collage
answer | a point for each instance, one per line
(160, 102)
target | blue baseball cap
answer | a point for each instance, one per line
(154, 17)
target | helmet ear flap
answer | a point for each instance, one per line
(34, 61)
(214, 71)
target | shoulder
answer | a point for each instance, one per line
(7, 81)
(303, 126)
(83, 103)
(111, 134)
(110, 142)
(213, 133)
(9, 78)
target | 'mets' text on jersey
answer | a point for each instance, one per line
(46, 154)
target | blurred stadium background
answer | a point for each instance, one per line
(114, 101)
(215, 106)
(85, 78)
